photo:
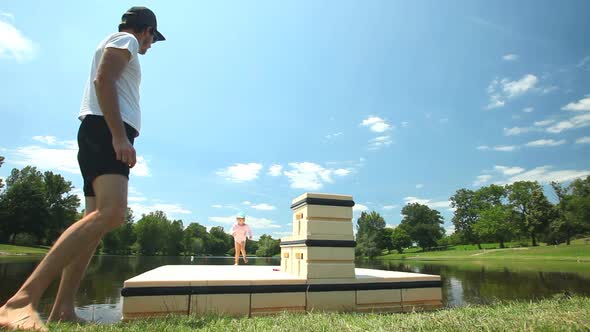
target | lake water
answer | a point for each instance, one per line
(99, 297)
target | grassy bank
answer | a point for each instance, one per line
(564, 314)
(12, 250)
(578, 251)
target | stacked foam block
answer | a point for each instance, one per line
(322, 244)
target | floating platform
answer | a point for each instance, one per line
(260, 290)
(317, 272)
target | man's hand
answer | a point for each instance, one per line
(125, 151)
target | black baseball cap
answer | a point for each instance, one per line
(143, 16)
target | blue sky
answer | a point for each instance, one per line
(248, 104)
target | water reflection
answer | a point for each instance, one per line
(472, 282)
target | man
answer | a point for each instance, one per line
(111, 118)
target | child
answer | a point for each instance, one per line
(239, 232)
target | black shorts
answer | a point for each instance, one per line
(96, 155)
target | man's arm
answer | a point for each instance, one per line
(110, 68)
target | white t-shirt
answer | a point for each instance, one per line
(127, 84)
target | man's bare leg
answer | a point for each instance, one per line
(63, 307)
(19, 312)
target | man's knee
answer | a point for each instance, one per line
(112, 217)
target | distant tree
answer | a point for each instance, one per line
(466, 205)
(174, 238)
(1, 183)
(531, 206)
(387, 239)
(62, 205)
(370, 236)
(218, 242)
(195, 231)
(24, 205)
(267, 246)
(151, 231)
(400, 239)
(495, 223)
(422, 224)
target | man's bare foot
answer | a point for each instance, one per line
(21, 318)
(66, 316)
(245, 260)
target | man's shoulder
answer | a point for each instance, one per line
(118, 37)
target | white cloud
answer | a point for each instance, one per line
(580, 105)
(311, 176)
(376, 124)
(583, 140)
(483, 147)
(431, 204)
(330, 136)
(510, 57)
(390, 207)
(49, 140)
(342, 172)
(241, 172)
(501, 90)
(545, 142)
(482, 179)
(405, 124)
(578, 121)
(544, 123)
(59, 159)
(141, 168)
(549, 89)
(13, 44)
(528, 109)
(275, 170)
(170, 210)
(136, 199)
(509, 170)
(584, 63)
(517, 88)
(545, 174)
(379, 142)
(505, 148)
(419, 186)
(254, 222)
(217, 206)
(263, 207)
(516, 131)
(246, 203)
(359, 208)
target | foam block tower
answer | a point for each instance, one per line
(322, 244)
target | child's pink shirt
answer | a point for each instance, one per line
(239, 232)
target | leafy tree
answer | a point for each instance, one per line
(531, 206)
(387, 239)
(422, 224)
(466, 205)
(61, 204)
(23, 204)
(267, 246)
(495, 223)
(174, 237)
(151, 232)
(1, 184)
(370, 237)
(400, 239)
(195, 231)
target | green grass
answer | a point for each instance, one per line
(577, 251)
(12, 250)
(557, 314)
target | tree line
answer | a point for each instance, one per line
(519, 211)
(36, 207)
